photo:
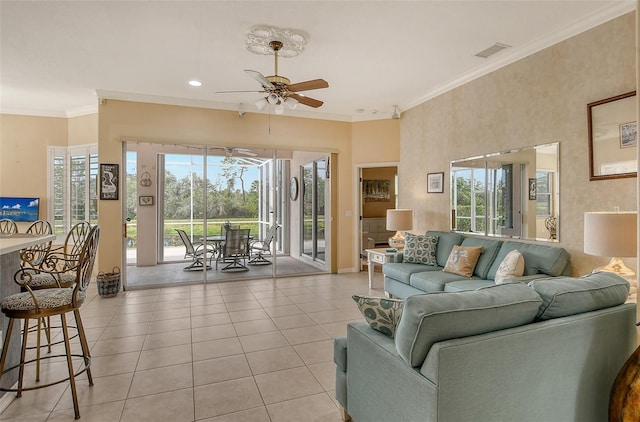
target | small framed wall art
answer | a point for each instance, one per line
(533, 189)
(109, 181)
(435, 182)
(145, 201)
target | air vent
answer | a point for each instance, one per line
(492, 50)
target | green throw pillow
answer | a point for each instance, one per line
(381, 313)
(420, 249)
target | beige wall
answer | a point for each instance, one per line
(83, 130)
(24, 141)
(537, 100)
(129, 121)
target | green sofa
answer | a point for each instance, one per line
(545, 351)
(405, 279)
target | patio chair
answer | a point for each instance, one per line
(199, 254)
(260, 248)
(235, 250)
(228, 226)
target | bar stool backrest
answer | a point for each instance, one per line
(33, 256)
(8, 226)
(74, 243)
(85, 263)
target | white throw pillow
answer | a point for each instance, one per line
(511, 266)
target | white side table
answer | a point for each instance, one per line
(379, 256)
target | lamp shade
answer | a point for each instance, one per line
(399, 219)
(611, 233)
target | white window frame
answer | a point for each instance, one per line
(67, 152)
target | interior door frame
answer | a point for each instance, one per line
(357, 200)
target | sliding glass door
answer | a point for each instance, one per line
(314, 178)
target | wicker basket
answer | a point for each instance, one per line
(109, 283)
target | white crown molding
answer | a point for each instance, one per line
(186, 102)
(599, 17)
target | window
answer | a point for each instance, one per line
(544, 180)
(73, 173)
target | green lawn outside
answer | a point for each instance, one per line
(171, 237)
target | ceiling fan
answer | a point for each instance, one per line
(280, 90)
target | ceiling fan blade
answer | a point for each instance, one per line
(245, 151)
(260, 78)
(308, 101)
(234, 92)
(308, 85)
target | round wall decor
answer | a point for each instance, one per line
(293, 188)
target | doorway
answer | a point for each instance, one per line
(378, 191)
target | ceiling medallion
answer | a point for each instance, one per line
(259, 37)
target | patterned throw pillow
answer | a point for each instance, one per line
(420, 249)
(462, 260)
(511, 266)
(381, 313)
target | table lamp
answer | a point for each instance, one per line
(399, 220)
(612, 234)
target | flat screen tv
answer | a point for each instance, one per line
(19, 209)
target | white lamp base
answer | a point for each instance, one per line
(617, 266)
(397, 241)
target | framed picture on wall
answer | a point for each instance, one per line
(435, 182)
(613, 137)
(145, 200)
(376, 190)
(628, 135)
(533, 189)
(109, 181)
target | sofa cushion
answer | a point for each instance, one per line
(434, 281)
(419, 249)
(434, 317)
(467, 284)
(550, 260)
(511, 266)
(381, 313)
(402, 272)
(463, 260)
(446, 242)
(565, 296)
(490, 249)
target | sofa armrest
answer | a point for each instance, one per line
(377, 377)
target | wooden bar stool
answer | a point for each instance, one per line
(38, 304)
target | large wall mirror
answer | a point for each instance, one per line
(509, 194)
(613, 137)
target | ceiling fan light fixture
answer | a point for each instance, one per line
(279, 108)
(261, 103)
(273, 98)
(291, 102)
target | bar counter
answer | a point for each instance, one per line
(10, 247)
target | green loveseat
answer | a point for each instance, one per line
(403, 279)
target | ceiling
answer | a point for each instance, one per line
(57, 58)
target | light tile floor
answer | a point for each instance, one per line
(250, 351)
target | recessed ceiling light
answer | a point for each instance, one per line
(195, 83)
